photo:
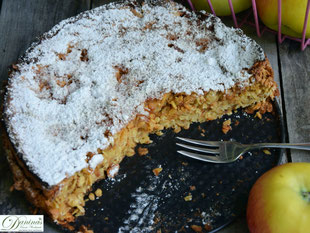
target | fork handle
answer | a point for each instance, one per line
(297, 146)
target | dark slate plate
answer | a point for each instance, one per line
(136, 200)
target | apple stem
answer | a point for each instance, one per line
(306, 196)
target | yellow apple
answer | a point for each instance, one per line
(221, 7)
(293, 16)
(279, 201)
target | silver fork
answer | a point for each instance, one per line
(229, 151)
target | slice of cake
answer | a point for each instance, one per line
(99, 83)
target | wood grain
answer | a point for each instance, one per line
(295, 69)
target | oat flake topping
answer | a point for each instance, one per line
(93, 72)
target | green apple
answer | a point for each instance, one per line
(221, 7)
(293, 16)
(279, 201)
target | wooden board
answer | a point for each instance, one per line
(295, 70)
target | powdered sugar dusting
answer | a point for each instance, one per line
(207, 217)
(91, 75)
(113, 170)
(141, 213)
(96, 159)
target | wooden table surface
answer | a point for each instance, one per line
(21, 21)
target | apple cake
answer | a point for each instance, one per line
(97, 84)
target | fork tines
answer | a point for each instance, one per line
(202, 157)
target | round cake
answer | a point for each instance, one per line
(97, 84)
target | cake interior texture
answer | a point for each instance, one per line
(99, 83)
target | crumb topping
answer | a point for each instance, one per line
(91, 74)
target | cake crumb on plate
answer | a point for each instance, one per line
(158, 170)
(142, 151)
(226, 126)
